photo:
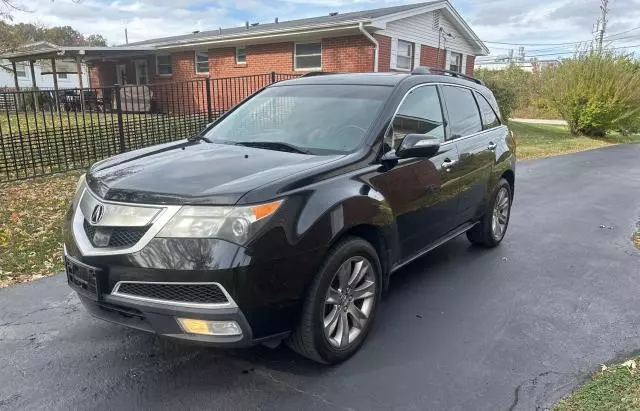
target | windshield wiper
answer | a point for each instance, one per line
(199, 137)
(273, 145)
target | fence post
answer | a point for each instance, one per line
(209, 110)
(121, 146)
(273, 77)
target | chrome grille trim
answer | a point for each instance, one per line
(229, 304)
(162, 216)
(118, 214)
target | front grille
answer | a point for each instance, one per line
(115, 237)
(184, 293)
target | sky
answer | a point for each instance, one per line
(546, 28)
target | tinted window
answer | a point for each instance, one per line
(420, 113)
(464, 117)
(489, 117)
(322, 119)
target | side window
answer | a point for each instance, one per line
(420, 113)
(489, 117)
(464, 117)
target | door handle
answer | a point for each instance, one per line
(492, 146)
(447, 164)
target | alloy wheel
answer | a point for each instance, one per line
(349, 302)
(501, 211)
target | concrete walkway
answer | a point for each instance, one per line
(540, 121)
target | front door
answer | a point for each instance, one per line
(121, 74)
(421, 192)
(142, 73)
(476, 149)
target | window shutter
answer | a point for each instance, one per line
(394, 53)
(416, 55)
(463, 68)
(447, 60)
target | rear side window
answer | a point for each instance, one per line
(420, 113)
(489, 117)
(464, 117)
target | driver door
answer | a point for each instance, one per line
(421, 192)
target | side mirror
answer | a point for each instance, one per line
(418, 145)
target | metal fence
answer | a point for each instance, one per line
(44, 132)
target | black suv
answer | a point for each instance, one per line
(285, 218)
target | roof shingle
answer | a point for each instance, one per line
(284, 25)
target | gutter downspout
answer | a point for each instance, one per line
(375, 43)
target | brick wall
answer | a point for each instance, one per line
(429, 57)
(261, 59)
(351, 54)
(384, 52)
(471, 62)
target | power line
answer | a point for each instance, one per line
(610, 36)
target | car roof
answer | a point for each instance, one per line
(376, 79)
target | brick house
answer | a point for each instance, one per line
(393, 38)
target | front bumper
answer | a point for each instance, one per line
(161, 319)
(103, 301)
(266, 280)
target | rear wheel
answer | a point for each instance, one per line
(493, 225)
(340, 305)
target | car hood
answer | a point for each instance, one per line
(194, 172)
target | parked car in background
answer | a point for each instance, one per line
(287, 216)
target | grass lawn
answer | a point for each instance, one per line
(541, 140)
(30, 122)
(615, 388)
(31, 217)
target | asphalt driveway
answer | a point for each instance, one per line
(461, 329)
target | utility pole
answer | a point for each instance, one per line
(604, 7)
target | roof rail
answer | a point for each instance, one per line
(439, 71)
(317, 73)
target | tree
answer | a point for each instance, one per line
(96, 40)
(7, 7)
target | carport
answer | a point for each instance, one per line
(62, 59)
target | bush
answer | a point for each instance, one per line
(512, 87)
(595, 93)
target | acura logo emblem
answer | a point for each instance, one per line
(96, 215)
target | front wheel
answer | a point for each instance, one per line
(493, 226)
(340, 305)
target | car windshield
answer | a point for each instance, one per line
(314, 119)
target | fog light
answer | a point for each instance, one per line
(202, 327)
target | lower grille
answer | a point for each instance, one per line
(116, 237)
(177, 293)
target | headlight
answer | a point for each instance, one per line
(235, 224)
(80, 186)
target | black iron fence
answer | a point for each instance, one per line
(44, 132)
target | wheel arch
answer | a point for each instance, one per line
(380, 241)
(510, 176)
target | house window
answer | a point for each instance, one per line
(241, 55)
(405, 55)
(456, 62)
(21, 70)
(62, 75)
(308, 56)
(202, 62)
(163, 64)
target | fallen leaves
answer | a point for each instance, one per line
(31, 219)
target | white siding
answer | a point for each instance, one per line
(6, 77)
(419, 29)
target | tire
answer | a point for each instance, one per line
(310, 338)
(484, 234)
